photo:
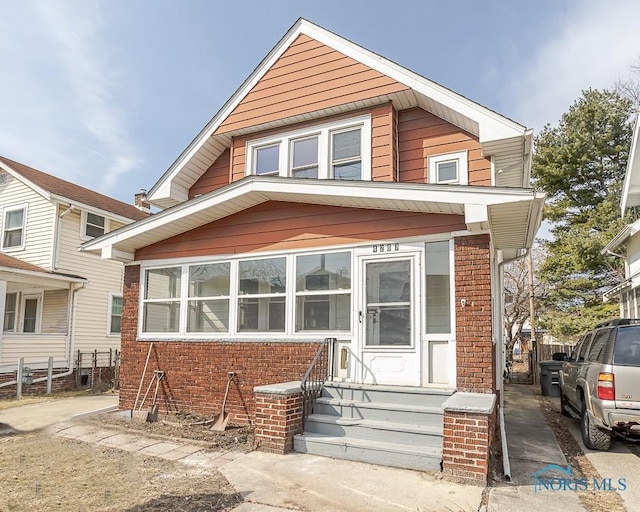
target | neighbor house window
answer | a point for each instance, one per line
(338, 150)
(323, 292)
(13, 227)
(209, 298)
(115, 314)
(451, 168)
(261, 295)
(438, 287)
(94, 225)
(161, 303)
(10, 310)
(31, 313)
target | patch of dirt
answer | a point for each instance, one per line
(40, 471)
(593, 501)
(195, 428)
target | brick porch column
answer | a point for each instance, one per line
(278, 416)
(469, 423)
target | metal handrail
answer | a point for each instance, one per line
(319, 370)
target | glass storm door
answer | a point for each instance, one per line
(387, 320)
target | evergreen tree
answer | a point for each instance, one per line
(581, 164)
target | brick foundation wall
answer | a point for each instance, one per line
(67, 383)
(475, 355)
(196, 372)
(466, 449)
(278, 418)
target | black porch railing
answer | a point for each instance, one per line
(319, 370)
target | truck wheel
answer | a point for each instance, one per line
(592, 437)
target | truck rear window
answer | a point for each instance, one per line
(627, 350)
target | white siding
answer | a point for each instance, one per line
(104, 277)
(633, 251)
(39, 222)
(35, 348)
(54, 311)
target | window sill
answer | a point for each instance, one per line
(237, 339)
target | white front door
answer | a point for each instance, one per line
(389, 320)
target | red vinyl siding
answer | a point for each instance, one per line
(281, 226)
(215, 176)
(422, 134)
(307, 77)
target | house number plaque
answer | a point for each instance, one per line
(386, 247)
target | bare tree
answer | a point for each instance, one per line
(630, 87)
(516, 288)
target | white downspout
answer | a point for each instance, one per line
(56, 250)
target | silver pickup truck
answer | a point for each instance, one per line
(600, 383)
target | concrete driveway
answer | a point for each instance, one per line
(43, 414)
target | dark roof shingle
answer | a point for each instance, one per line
(74, 192)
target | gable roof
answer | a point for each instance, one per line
(53, 188)
(512, 215)
(507, 141)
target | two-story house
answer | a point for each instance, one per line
(627, 240)
(54, 300)
(336, 195)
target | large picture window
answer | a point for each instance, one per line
(323, 292)
(209, 298)
(162, 300)
(308, 293)
(261, 302)
(339, 150)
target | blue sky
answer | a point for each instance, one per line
(108, 93)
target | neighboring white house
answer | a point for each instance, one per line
(626, 244)
(55, 300)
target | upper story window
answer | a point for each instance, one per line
(451, 168)
(339, 150)
(93, 225)
(14, 220)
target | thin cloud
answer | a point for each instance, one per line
(64, 114)
(593, 49)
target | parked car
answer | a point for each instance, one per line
(600, 383)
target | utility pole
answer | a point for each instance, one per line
(532, 319)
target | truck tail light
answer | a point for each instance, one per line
(606, 386)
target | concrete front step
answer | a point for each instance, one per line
(379, 411)
(421, 458)
(372, 430)
(428, 397)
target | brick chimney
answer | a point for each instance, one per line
(140, 201)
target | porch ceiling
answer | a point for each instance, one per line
(511, 215)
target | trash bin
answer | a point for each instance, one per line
(550, 378)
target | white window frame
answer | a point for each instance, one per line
(30, 296)
(5, 212)
(462, 159)
(324, 132)
(83, 224)
(113, 295)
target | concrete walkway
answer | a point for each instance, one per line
(532, 446)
